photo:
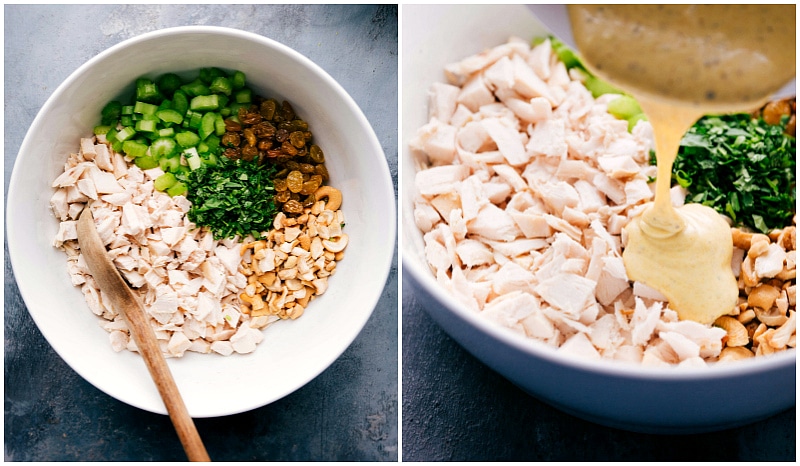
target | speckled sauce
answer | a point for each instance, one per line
(682, 62)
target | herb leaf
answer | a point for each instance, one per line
(233, 197)
(742, 167)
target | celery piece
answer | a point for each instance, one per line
(207, 126)
(195, 88)
(624, 107)
(195, 120)
(221, 85)
(170, 116)
(187, 139)
(204, 103)
(127, 109)
(146, 162)
(134, 148)
(169, 83)
(180, 102)
(207, 75)
(145, 126)
(212, 141)
(163, 147)
(238, 80)
(147, 90)
(125, 133)
(219, 125)
(177, 189)
(166, 132)
(144, 108)
(169, 164)
(111, 112)
(164, 181)
(101, 129)
(243, 96)
(126, 120)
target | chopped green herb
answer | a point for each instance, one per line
(231, 197)
(742, 167)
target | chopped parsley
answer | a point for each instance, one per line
(232, 197)
(742, 167)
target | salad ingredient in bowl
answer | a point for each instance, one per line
(181, 184)
(525, 184)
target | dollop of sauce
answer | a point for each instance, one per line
(682, 62)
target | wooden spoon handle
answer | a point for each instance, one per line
(127, 303)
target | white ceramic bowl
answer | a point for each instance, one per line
(293, 352)
(662, 400)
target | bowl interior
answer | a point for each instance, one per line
(293, 352)
(463, 28)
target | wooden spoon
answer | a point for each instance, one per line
(124, 301)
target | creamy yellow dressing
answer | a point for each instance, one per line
(682, 62)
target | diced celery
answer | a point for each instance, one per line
(187, 139)
(145, 126)
(168, 83)
(238, 80)
(624, 107)
(164, 181)
(166, 132)
(221, 85)
(146, 162)
(219, 125)
(192, 158)
(126, 120)
(144, 108)
(204, 103)
(207, 126)
(177, 189)
(169, 164)
(134, 148)
(146, 90)
(127, 109)
(207, 75)
(125, 133)
(244, 96)
(163, 147)
(170, 116)
(195, 88)
(111, 112)
(101, 129)
(180, 102)
(195, 120)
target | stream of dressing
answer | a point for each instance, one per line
(682, 62)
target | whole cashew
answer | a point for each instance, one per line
(334, 197)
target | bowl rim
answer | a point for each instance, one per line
(383, 261)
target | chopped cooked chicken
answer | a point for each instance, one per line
(526, 184)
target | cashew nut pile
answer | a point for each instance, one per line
(292, 265)
(766, 321)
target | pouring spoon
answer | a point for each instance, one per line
(124, 301)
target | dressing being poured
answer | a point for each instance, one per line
(682, 62)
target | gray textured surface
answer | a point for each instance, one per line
(457, 409)
(350, 411)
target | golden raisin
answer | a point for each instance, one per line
(282, 196)
(293, 207)
(316, 154)
(268, 108)
(297, 139)
(309, 187)
(295, 181)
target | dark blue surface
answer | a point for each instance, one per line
(455, 408)
(349, 412)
